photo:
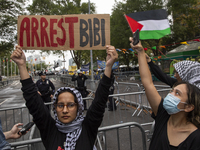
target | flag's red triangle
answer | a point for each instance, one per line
(133, 24)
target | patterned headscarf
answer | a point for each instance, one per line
(74, 128)
(189, 71)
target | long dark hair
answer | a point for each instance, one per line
(193, 94)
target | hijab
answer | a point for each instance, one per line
(74, 128)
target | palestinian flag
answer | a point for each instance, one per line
(153, 24)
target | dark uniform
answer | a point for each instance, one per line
(44, 89)
(112, 104)
(81, 86)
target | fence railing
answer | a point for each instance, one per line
(126, 135)
(9, 80)
(121, 131)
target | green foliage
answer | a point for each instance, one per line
(186, 21)
(97, 55)
(184, 24)
(120, 31)
(41, 7)
(10, 9)
(59, 7)
(5, 48)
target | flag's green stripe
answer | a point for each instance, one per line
(154, 34)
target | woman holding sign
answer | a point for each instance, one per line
(177, 116)
(70, 130)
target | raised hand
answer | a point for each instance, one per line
(18, 56)
(139, 48)
(112, 55)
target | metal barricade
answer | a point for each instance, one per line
(129, 103)
(8, 81)
(68, 81)
(91, 85)
(124, 137)
(130, 87)
(127, 135)
(126, 76)
(11, 116)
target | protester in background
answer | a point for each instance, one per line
(70, 130)
(12, 134)
(177, 116)
(185, 70)
(112, 105)
(81, 85)
(44, 86)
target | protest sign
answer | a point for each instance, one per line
(64, 32)
(85, 67)
(102, 64)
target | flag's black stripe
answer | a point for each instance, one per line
(158, 14)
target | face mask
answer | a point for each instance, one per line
(170, 104)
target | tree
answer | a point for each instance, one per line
(185, 19)
(84, 59)
(10, 9)
(120, 31)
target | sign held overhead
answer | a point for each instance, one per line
(64, 32)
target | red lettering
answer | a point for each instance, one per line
(25, 21)
(43, 32)
(34, 21)
(71, 21)
(59, 40)
(52, 32)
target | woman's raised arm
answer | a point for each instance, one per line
(152, 95)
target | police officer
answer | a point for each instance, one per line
(112, 105)
(81, 85)
(43, 86)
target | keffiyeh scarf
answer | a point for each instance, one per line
(189, 71)
(74, 128)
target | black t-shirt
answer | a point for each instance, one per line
(160, 139)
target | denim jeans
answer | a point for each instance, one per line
(4, 145)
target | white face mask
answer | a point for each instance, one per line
(170, 104)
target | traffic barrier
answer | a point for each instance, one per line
(130, 104)
(126, 136)
(68, 81)
(122, 136)
(8, 81)
(11, 116)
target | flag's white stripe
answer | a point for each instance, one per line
(154, 24)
